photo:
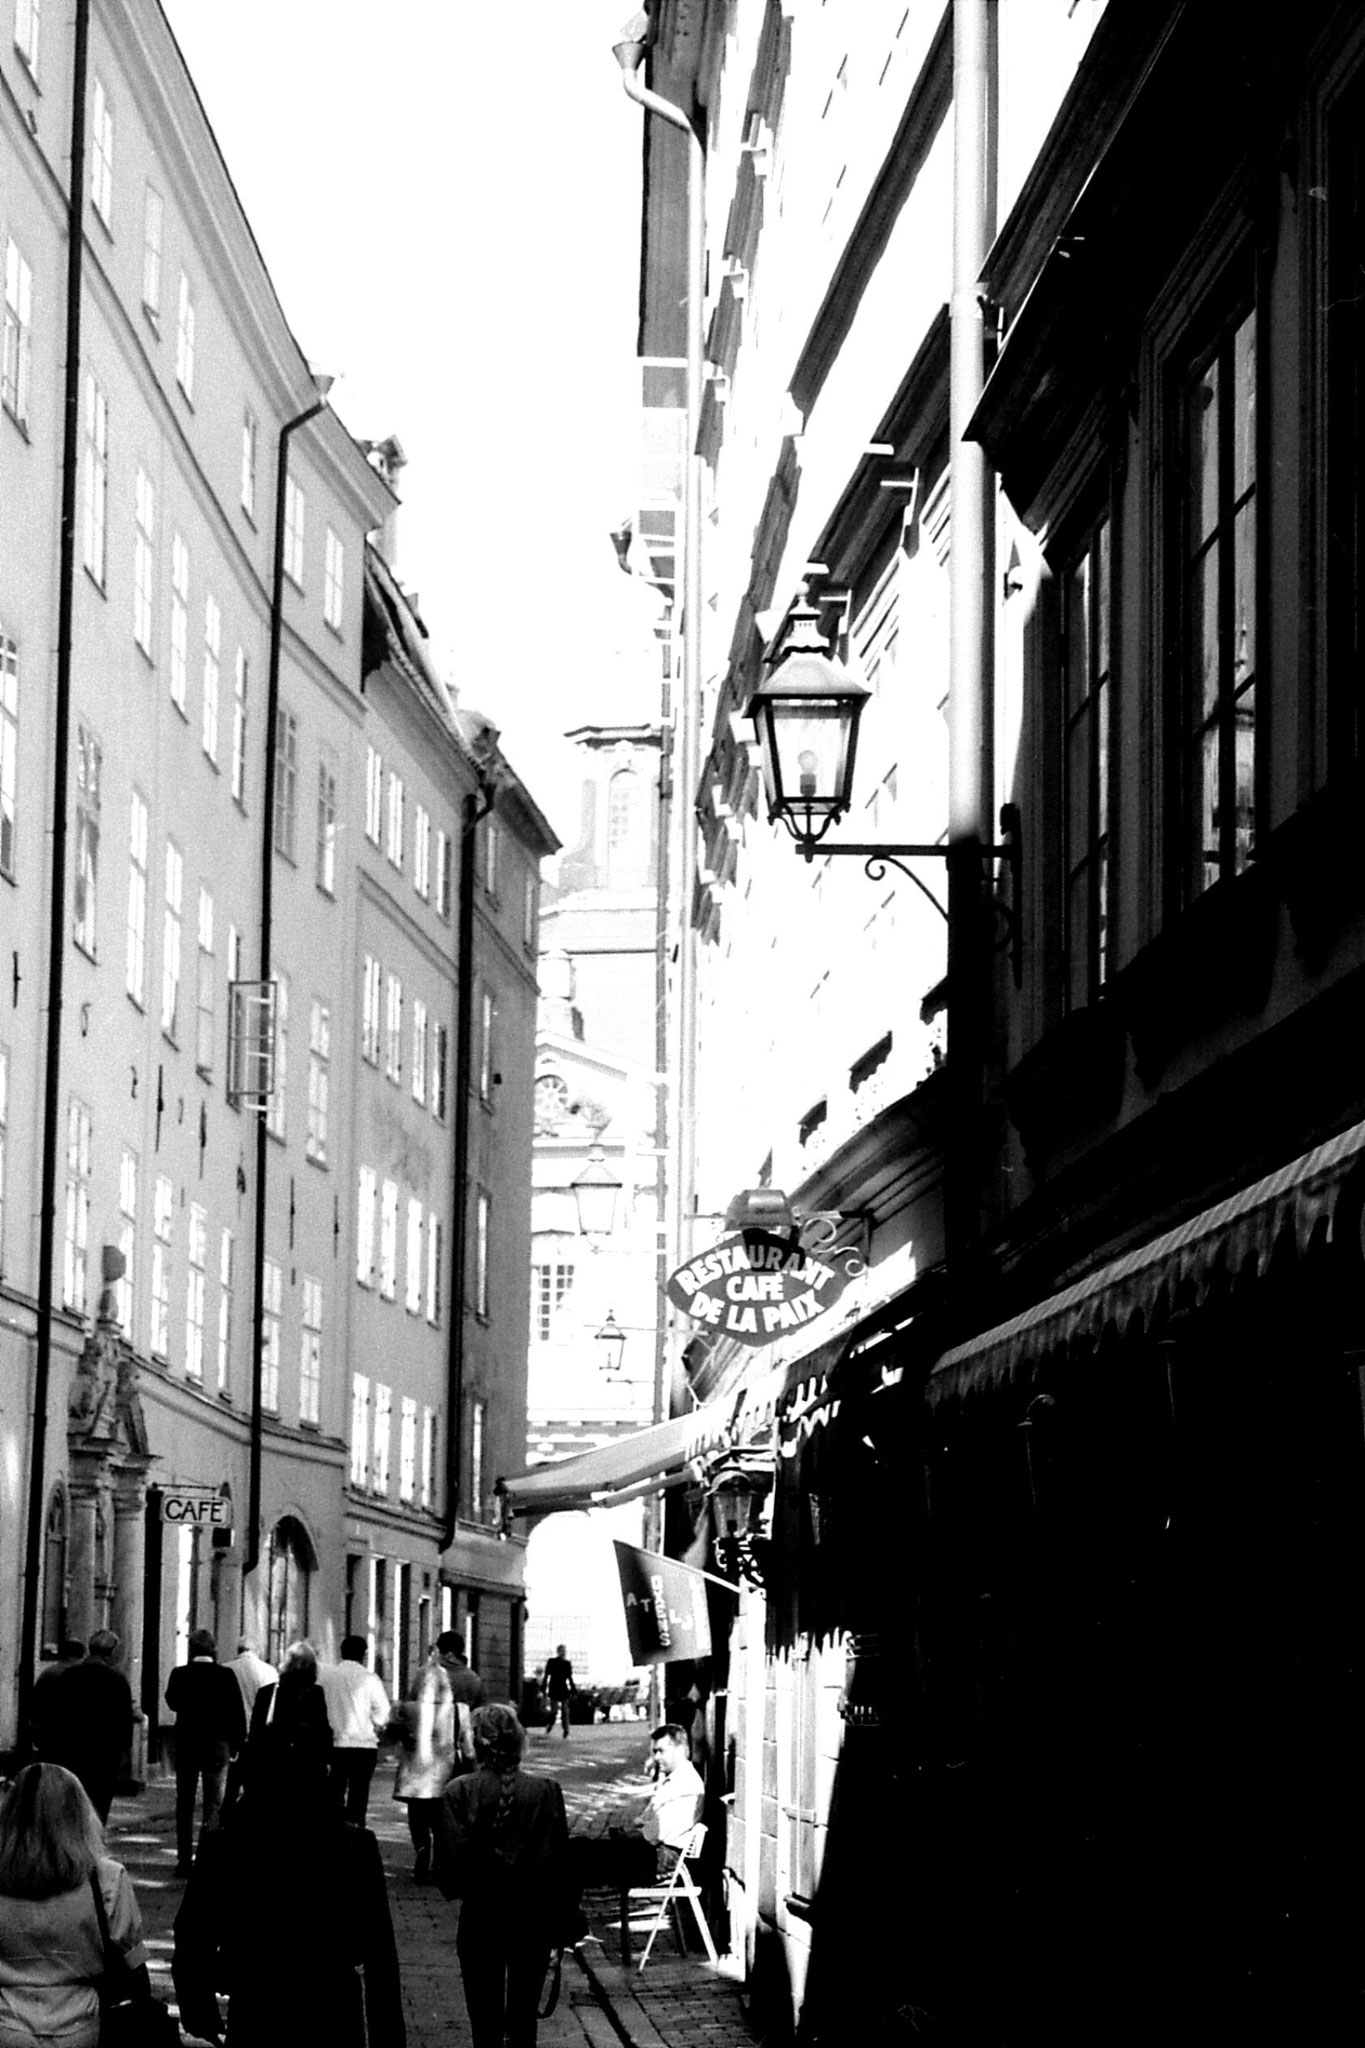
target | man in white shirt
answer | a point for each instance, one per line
(358, 1709)
(251, 1673)
(675, 1803)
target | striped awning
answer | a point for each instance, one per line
(643, 1462)
(1228, 1236)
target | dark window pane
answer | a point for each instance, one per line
(1102, 599)
(1078, 789)
(1102, 761)
(1243, 648)
(1203, 455)
(1244, 408)
(1077, 633)
(1203, 698)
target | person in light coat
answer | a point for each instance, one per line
(358, 1709)
(434, 1728)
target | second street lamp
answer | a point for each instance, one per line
(594, 1192)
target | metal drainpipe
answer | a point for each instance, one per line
(61, 764)
(630, 55)
(477, 805)
(971, 768)
(272, 706)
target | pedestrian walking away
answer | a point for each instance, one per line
(251, 1672)
(210, 1729)
(57, 1886)
(87, 1720)
(289, 1728)
(358, 1709)
(437, 1742)
(504, 1855)
(323, 1967)
(559, 1687)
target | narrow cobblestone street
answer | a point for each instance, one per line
(679, 2000)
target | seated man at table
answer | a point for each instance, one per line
(675, 1803)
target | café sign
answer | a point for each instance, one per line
(753, 1286)
(196, 1507)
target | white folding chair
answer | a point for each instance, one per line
(679, 1890)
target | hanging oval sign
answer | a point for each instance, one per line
(753, 1286)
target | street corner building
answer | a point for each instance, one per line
(1022, 352)
(268, 906)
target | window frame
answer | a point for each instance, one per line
(16, 343)
(1095, 711)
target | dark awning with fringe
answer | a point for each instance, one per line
(1227, 1236)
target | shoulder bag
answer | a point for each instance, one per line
(129, 2015)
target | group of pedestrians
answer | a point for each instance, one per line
(285, 1907)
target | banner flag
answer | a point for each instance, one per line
(665, 1603)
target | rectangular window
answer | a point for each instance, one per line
(16, 362)
(482, 1218)
(1088, 702)
(203, 1035)
(102, 156)
(478, 1415)
(419, 1051)
(413, 1270)
(364, 1230)
(444, 865)
(163, 1210)
(529, 900)
(144, 513)
(369, 1010)
(153, 217)
(239, 695)
(295, 511)
(26, 22)
(9, 753)
(127, 1237)
(184, 338)
(170, 951)
(235, 1054)
(251, 438)
(487, 1014)
(272, 1309)
(388, 1240)
(319, 1080)
(360, 1428)
(275, 1109)
(76, 1243)
(421, 852)
(440, 1040)
(1217, 594)
(383, 1414)
(137, 898)
(334, 581)
(550, 1282)
(286, 781)
(428, 1455)
(374, 795)
(393, 1059)
(490, 855)
(435, 1268)
(395, 845)
(225, 1254)
(96, 493)
(196, 1254)
(310, 1352)
(88, 773)
(213, 638)
(180, 619)
(407, 1449)
(326, 874)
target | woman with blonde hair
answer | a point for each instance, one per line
(288, 1722)
(52, 1954)
(504, 1854)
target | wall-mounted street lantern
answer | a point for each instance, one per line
(612, 1338)
(806, 713)
(738, 1483)
(594, 1192)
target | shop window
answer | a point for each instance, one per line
(1086, 725)
(290, 1562)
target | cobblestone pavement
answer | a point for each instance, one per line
(679, 2002)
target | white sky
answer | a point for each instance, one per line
(447, 197)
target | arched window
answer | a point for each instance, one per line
(290, 1563)
(627, 834)
(54, 1570)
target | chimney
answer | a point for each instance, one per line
(390, 461)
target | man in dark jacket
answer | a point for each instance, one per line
(210, 1728)
(88, 1720)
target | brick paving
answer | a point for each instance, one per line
(679, 2002)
